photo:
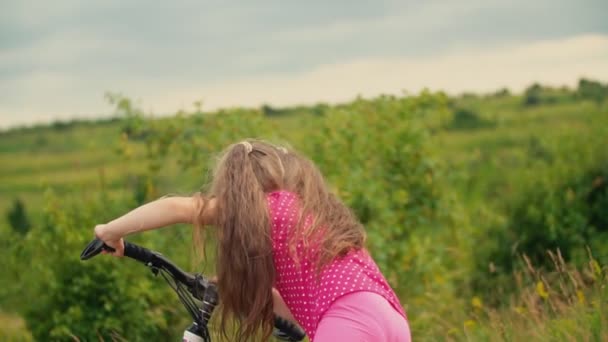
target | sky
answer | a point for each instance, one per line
(59, 58)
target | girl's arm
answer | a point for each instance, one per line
(160, 213)
(164, 212)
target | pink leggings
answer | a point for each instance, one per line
(362, 316)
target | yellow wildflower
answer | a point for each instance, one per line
(477, 303)
(469, 323)
(597, 270)
(540, 289)
(581, 296)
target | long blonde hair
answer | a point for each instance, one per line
(245, 173)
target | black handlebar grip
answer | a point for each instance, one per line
(138, 253)
(93, 248)
(288, 331)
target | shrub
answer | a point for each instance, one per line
(568, 216)
(537, 94)
(532, 95)
(465, 118)
(592, 90)
(104, 298)
(96, 300)
(17, 217)
(376, 155)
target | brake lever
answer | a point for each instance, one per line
(93, 248)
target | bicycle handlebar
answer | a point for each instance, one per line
(197, 285)
(149, 258)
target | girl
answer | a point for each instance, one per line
(286, 245)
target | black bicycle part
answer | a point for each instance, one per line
(287, 331)
(197, 285)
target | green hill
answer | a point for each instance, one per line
(454, 191)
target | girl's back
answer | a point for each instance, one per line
(310, 292)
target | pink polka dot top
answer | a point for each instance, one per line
(308, 294)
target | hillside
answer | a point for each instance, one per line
(454, 191)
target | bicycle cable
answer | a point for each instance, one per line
(185, 297)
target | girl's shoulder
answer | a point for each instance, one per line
(283, 207)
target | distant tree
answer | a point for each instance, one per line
(60, 125)
(17, 217)
(592, 90)
(533, 94)
(268, 110)
(504, 92)
(320, 109)
(469, 96)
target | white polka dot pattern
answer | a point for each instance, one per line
(308, 294)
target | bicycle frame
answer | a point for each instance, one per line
(188, 287)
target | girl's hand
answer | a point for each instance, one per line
(103, 234)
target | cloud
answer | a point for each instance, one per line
(57, 60)
(553, 62)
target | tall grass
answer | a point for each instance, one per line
(560, 304)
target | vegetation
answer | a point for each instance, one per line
(486, 212)
(17, 218)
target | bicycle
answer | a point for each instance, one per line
(189, 288)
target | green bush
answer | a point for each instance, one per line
(532, 95)
(103, 298)
(566, 215)
(465, 118)
(537, 94)
(17, 217)
(97, 300)
(592, 90)
(377, 156)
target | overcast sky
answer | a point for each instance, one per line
(58, 58)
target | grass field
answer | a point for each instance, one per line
(486, 165)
